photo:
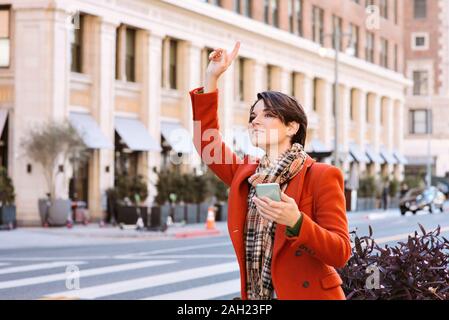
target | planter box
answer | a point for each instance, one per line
(192, 215)
(165, 212)
(179, 213)
(8, 216)
(129, 215)
(59, 212)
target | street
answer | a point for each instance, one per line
(141, 268)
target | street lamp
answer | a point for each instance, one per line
(336, 38)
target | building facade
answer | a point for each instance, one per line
(120, 72)
(426, 44)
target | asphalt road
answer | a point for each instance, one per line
(197, 268)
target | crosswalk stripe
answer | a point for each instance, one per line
(4, 264)
(84, 273)
(147, 282)
(179, 256)
(199, 246)
(39, 266)
(206, 292)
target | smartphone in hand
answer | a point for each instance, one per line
(269, 190)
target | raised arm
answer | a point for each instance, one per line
(207, 138)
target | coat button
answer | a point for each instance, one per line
(298, 253)
(306, 284)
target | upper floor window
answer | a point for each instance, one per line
(383, 8)
(317, 25)
(315, 94)
(241, 79)
(246, 8)
(384, 53)
(266, 11)
(170, 63)
(369, 47)
(76, 46)
(419, 9)
(5, 35)
(395, 11)
(337, 33)
(291, 23)
(130, 64)
(396, 52)
(298, 14)
(173, 64)
(270, 77)
(353, 46)
(420, 41)
(275, 12)
(351, 104)
(237, 5)
(420, 121)
(420, 83)
(293, 82)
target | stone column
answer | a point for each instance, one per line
(324, 109)
(398, 132)
(344, 123)
(151, 102)
(375, 105)
(103, 89)
(189, 62)
(41, 93)
(360, 116)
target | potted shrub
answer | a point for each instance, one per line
(7, 200)
(414, 269)
(131, 192)
(52, 145)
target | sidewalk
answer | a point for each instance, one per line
(94, 234)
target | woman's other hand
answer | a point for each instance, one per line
(284, 212)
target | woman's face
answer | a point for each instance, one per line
(266, 130)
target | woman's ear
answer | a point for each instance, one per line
(293, 128)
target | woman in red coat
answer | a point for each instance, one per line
(286, 249)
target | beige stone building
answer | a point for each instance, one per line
(122, 79)
(426, 44)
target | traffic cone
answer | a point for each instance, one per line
(210, 222)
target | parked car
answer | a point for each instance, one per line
(430, 199)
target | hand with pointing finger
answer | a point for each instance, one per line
(220, 60)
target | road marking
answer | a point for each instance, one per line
(207, 292)
(4, 264)
(83, 273)
(40, 266)
(99, 291)
(55, 258)
(199, 246)
(178, 256)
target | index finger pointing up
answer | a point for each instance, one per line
(234, 52)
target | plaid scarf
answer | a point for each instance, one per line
(259, 232)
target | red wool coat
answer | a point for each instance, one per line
(302, 266)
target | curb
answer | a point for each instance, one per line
(197, 233)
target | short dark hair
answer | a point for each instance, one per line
(287, 109)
